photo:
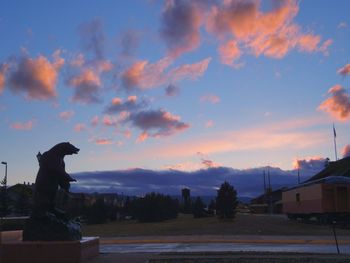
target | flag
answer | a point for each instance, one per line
(335, 134)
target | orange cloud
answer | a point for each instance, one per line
(346, 151)
(338, 105)
(26, 126)
(3, 69)
(66, 115)
(144, 75)
(214, 99)
(344, 70)
(272, 33)
(36, 77)
(315, 162)
(142, 137)
(102, 141)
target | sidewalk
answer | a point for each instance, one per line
(237, 239)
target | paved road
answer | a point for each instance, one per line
(306, 244)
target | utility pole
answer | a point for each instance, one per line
(335, 143)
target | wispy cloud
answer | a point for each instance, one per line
(172, 90)
(338, 104)
(143, 75)
(79, 127)
(35, 77)
(132, 103)
(129, 42)
(92, 37)
(293, 134)
(214, 99)
(25, 126)
(344, 71)
(103, 141)
(209, 123)
(66, 115)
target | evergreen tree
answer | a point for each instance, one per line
(198, 208)
(226, 201)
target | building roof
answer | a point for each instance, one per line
(325, 180)
(337, 168)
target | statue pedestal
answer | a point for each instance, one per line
(13, 249)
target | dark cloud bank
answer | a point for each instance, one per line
(248, 182)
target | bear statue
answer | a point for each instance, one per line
(46, 221)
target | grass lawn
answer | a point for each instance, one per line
(243, 224)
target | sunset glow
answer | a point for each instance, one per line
(174, 84)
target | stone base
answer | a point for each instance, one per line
(14, 250)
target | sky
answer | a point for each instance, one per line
(174, 85)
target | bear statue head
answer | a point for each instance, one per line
(65, 148)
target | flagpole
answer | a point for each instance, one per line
(335, 143)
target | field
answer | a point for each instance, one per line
(243, 224)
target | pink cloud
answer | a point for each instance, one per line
(102, 141)
(274, 136)
(338, 105)
(144, 75)
(66, 115)
(109, 120)
(346, 151)
(79, 127)
(94, 121)
(229, 52)
(142, 137)
(181, 21)
(344, 70)
(132, 103)
(25, 126)
(316, 163)
(214, 99)
(36, 77)
(209, 124)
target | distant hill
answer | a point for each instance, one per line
(248, 182)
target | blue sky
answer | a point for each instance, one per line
(181, 85)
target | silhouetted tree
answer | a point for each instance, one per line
(186, 201)
(4, 205)
(22, 203)
(154, 207)
(226, 201)
(212, 207)
(97, 213)
(198, 208)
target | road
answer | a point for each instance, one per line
(304, 244)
